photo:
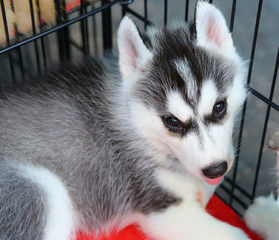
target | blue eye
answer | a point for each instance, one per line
(219, 109)
(173, 124)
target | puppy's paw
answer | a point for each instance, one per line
(263, 217)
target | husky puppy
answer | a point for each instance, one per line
(87, 148)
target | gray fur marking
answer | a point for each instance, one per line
(176, 45)
(22, 207)
(64, 121)
(185, 72)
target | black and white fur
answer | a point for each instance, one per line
(87, 148)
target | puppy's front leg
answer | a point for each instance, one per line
(188, 221)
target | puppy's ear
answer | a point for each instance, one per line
(133, 54)
(211, 28)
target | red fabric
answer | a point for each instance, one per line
(73, 5)
(129, 233)
(215, 207)
(223, 212)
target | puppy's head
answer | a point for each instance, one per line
(184, 87)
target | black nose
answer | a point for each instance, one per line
(216, 170)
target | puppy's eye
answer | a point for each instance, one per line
(219, 109)
(173, 124)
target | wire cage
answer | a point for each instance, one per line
(72, 28)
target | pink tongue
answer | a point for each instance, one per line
(214, 181)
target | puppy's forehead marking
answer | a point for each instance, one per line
(186, 74)
(178, 107)
(209, 95)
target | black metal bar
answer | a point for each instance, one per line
(44, 53)
(232, 15)
(264, 99)
(59, 36)
(84, 28)
(41, 29)
(254, 40)
(94, 25)
(145, 14)
(124, 4)
(39, 14)
(239, 188)
(20, 62)
(5, 23)
(236, 198)
(265, 124)
(31, 7)
(236, 211)
(34, 33)
(232, 207)
(77, 8)
(187, 10)
(62, 33)
(58, 11)
(124, 10)
(74, 44)
(238, 151)
(134, 13)
(107, 26)
(55, 29)
(245, 104)
(65, 33)
(12, 67)
(8, 41)
(165, 12)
